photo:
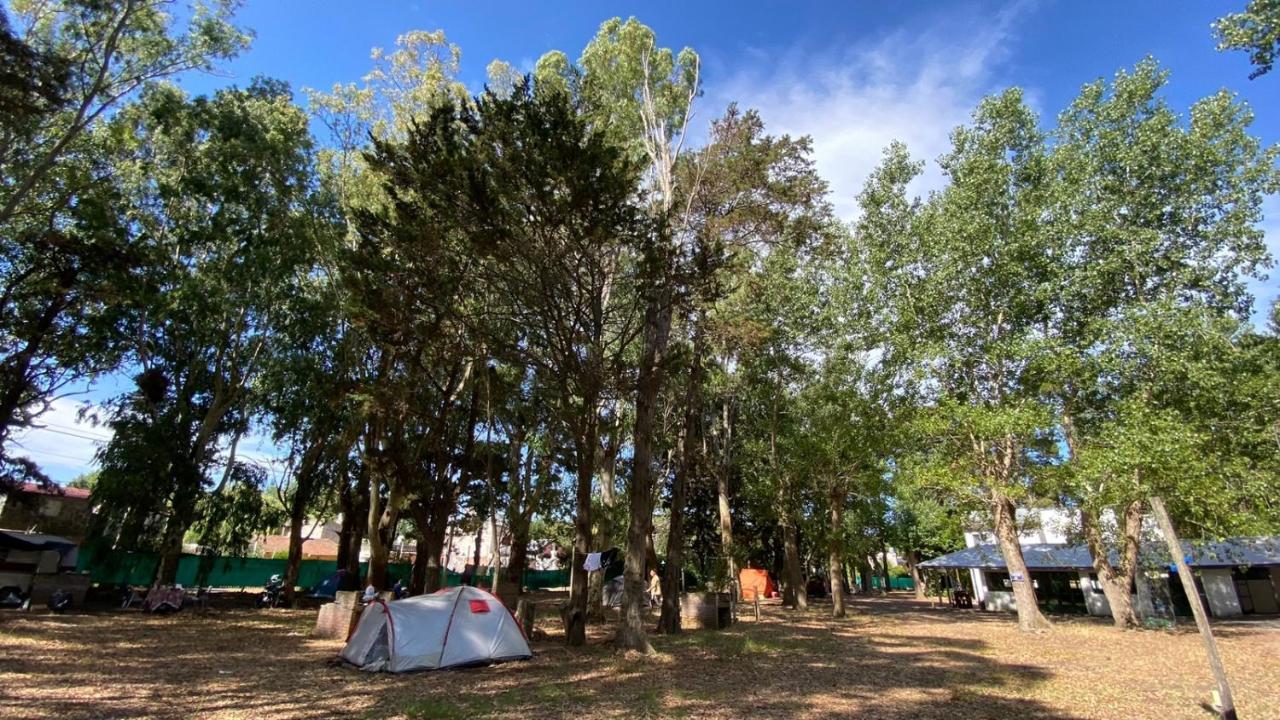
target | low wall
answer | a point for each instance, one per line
(1001, 600)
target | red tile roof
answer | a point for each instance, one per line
(59, 490)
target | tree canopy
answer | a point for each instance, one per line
(558, 307)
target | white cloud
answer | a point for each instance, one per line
(60, 442)
(914, 85)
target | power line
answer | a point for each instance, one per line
(71, 434)
(74, 428)
(53, 454)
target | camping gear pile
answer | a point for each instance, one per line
(612, 563)
(164, 599)
(454, 627)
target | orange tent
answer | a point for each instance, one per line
(755, 583)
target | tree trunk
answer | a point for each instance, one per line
(604, 523)
(517, 562)
(657, 330)
(297, 516)
(722, 497)
(595, 588)
(379, 553)
(475, 557)
(1116, 580)
(886, 580)
(304, 493)
(796, 595)
(1030, 619)
(835, 543)
(180, 519)
(432, 522)
(442, 542)
(354, 526)
(913, 564)
(170, 553)
(673, 575)
(524, 498)
(495, 557)
(418, 572)
(576, 616)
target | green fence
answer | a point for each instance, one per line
(118, 568)
(895, 583)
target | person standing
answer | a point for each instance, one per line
(655, 587)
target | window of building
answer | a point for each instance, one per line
(51, 508)
(998, 580)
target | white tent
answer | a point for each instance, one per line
(452, 627)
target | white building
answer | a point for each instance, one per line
(1235, 577)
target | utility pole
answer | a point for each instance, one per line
(1226, 706)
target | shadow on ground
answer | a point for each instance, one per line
(890, 659)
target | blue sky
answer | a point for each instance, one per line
(853, 75)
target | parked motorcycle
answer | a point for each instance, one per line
(272, 592)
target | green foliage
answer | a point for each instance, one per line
(69, 256)
(1256, 30)
(1151, 305)
(450, 308)
(221, 187)
(84, 481)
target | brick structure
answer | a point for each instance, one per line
(338, 618)
(53, 510)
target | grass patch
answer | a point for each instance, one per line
(560, 693)
(734, 645)
(935, 665)
(436, 709)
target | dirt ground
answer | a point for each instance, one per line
(892, 658)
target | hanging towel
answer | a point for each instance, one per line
(593, 562)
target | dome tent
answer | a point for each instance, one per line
(450, 628)
(756, 584)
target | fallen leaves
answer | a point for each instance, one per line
(892, 658)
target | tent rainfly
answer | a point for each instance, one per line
(453, 627)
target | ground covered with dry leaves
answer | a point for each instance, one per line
(892, 658)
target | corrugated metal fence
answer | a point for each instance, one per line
(139, 569)
(895, 583)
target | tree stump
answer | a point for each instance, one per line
(526, 614)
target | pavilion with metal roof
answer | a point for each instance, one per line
(1236, 576)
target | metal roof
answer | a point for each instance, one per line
(1224, 553)
(17, 540)
(1038, 557)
